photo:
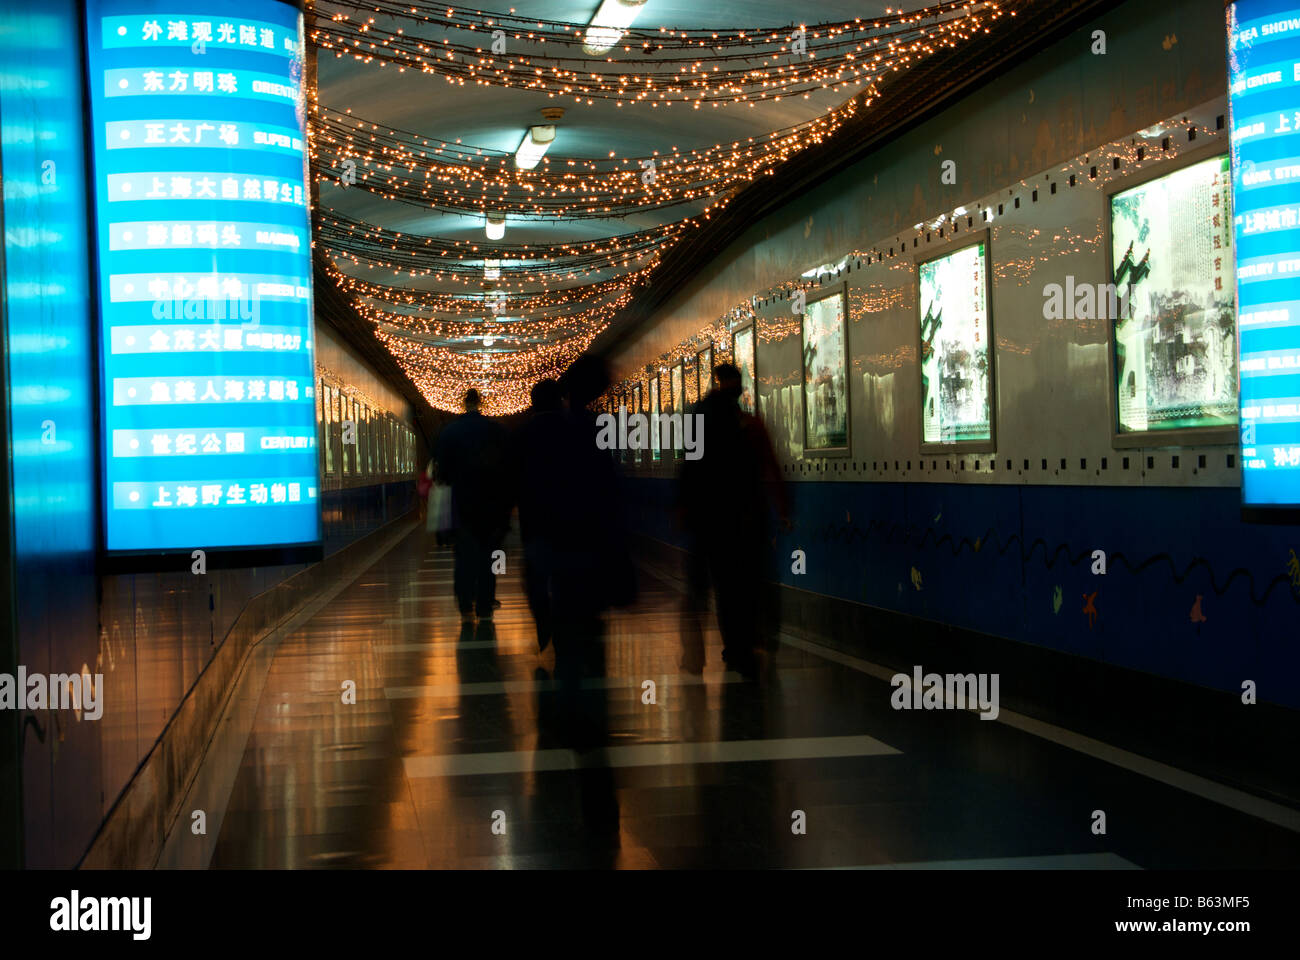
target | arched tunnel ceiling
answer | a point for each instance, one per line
(446, 343)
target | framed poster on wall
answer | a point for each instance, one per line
(345, 416)
(955, 337)
(824, 343)
(655, 452)
(1170, 303)
(336, 405)
(367, 434)
(636, 408)
(704, 370)
(743, 355)
(678, 398)
(623, 411)
(327, 435)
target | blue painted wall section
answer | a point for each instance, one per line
(52, 438)
(991, 558)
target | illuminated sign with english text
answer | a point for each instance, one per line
(204, 274)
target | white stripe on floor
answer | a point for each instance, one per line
(444, 646)
(495, 687)
(395, 621)
(645, 755)
(1064, 861)
(610, 616)
(440, 595)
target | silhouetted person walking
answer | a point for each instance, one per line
(571, 510)
(590, 566)
(535, 446)
(472, 458)
(724, 500)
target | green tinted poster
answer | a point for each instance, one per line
(1174, 310)
(655, 453)
(825, 380)
(743, 353)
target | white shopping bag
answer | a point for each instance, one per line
(439, 518)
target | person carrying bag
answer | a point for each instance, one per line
(436, 499)
(438, 520)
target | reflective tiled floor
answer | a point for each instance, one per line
(452, 756)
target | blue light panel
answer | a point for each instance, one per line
(204, 258)
(1264, 107)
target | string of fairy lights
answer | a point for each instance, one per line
(740, 66)
(446, 259)
(871, 297)
(489, 301)
(503, 375)
(450, 177)
(544, 30)
(526, 311)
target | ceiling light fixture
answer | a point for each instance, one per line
(538, 139)
(535, 143)
(496, 226)
(609, 23)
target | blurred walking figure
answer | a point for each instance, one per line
(591, 568)
(570, 510)
(730, 549)
(472, 459)
(423, 484)
(435, 505)
(535, 448)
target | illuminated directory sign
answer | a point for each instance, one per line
(1264, 104)
(204, 256)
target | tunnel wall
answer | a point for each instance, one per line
(1002, 543)
(991, 558)
(150, 634)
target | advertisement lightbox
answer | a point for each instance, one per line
(955, 334)
(824, 339)
(1173, 325)
(742, 354)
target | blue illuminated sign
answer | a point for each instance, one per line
(1264, 106)
(204, 255)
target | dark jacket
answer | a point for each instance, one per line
(734, 485)
(538, 476)
(586, 523)
(472, 457)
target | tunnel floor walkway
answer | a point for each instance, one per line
(447, 758)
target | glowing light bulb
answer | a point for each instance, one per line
(496, 226)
